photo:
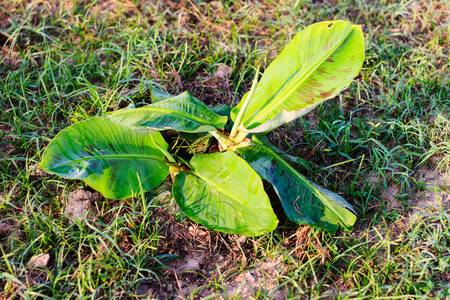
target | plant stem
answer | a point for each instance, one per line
(241, 135)
(222, 139)
(166, 153)
(244, 107)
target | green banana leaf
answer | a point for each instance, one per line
(112, 158)
(221, 109)
(223, 193)
(181, 113)
(303, 201)
(316, 65)
(158, 95)
(300, 161)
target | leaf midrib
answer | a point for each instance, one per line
(300, 81)
(114, 156)
(212, 120)
(293, 171)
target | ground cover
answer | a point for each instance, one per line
(382, 145)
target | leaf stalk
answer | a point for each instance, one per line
(166, 153)
(236, 124)
(222, 139)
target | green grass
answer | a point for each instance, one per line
(66, 63)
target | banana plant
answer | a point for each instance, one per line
(127, 152)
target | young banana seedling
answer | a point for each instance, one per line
(124, 152)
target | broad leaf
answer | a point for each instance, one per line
(221, 109)
(224, 194)
(181, 113)
(300, 161)
(316, 65)
(158, 95)
(304, 202)
(112, 158)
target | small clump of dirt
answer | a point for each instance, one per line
(39, 261)
(433, 192)
(80, 205)
(37, 172)
(36, 273)
(262, 279)
(223, 71)
(194, 261)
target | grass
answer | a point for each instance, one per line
(65, 62)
